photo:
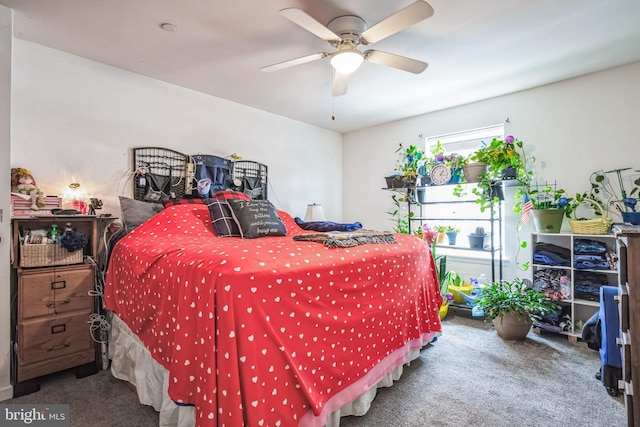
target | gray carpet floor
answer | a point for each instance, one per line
(468, 377)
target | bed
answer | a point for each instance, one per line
(267, 331)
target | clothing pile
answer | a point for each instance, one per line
(550, 254)
(586, 285)
(589, 254)
(554, 283)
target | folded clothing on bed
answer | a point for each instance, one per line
(338, 239)
(327, 225)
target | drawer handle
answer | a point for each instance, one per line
(58, 347)
(64, 301)
(56, 329)
(60, 284)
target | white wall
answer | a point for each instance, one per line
(74, 120)
(572, 127)
(6, 31)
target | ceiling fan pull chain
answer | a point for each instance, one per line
(333, 108)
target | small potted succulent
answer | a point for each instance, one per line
(477, 239)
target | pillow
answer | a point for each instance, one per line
(222, 218)
(135, 212)
(256, 218)
(230, 194)
(173, 202)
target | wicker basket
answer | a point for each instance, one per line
(591, 226)
(47, 254)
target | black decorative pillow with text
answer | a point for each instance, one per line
(256, 218)
(222, 219)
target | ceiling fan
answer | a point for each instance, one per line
(346, 33)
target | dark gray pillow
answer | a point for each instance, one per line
(222, 218)
(256, 218)
(135, 212)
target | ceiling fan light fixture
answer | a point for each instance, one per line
(347, 61)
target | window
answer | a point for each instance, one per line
(463, 215)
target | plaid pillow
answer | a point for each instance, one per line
(173, 202)
(230, 194)
(222, 218)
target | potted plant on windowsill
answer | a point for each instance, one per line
(513, 307)
(500, 156)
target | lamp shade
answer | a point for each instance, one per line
(347, 60)
(314, 213)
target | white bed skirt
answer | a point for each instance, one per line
(132, 362)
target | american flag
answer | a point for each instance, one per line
(528, 205)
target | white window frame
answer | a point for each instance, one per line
(465, 143)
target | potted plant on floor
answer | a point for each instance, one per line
(513, 307)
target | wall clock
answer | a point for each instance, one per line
(440, 174)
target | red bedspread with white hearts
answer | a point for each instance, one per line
(269, 331)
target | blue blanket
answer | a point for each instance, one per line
(327, 225)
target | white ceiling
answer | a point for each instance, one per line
(475, 49)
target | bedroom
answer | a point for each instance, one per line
(89, 114)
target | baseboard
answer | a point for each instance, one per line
(6, 392)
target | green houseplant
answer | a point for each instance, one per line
(513, 307)
(408, 162)
(505, 159)
(548, 205)
(613, 195)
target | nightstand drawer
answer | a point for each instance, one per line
(53, 291)
(53, 337)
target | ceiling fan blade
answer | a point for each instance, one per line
(309, 23)
(400, 20)
(297, 61)
(395, 61)
(339, 83)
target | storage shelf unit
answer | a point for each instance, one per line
(455, 213)
(51, 329)
(580, 307)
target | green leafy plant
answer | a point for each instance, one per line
(409, 160)
(446, 229)
(612, 193)
(499, 155)
(543, 197)
(400, 216)
(500, 298)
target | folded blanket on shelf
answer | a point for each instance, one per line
(335, 239)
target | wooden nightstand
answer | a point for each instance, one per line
(53, 304)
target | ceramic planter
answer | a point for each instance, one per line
(451, 235)
(631, 217)
(548, 220)
(476, 241)
(512, 326)
(473, 170)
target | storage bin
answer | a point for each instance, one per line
(47, 254)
